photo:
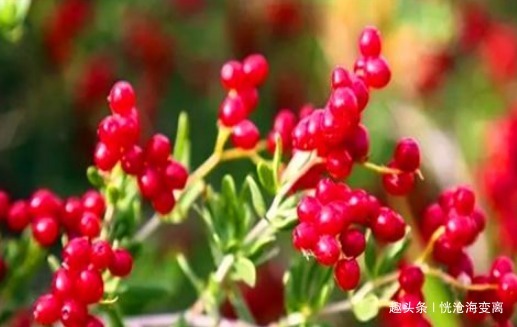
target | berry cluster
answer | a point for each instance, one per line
(79, 282)
(332, 224)
(158, 175)
(406, 159)
(241, 80)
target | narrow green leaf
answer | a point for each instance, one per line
(189, 272)
(182, 142)
(229, 190)
(244, 270)
(185, 202)
(239, 304)
(267, 177)
(392, 256)
(366, 308)
(370, 255)
(257, 200)
(94, 177)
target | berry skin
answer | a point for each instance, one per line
(407, 155)
(122, 263)
(347, 274)
(245, 135)
(445, 251)
(500, 267)
(43, 202)
(329, 221)
(411, 279)
(94, 202)
(388, 226)
(377, 72)
(326, 250)
(105, 158)
(434, 217)
(4, 205)
(460, 229)
(73, 313)
(255, 69)
(72, 213)
(132, 161)
(232, 75)
(90, 225)
(232, 111)
(45, 230)
(370, 42)
(76, 254)
(343, 104)
(398, 184)
(308, 208)
(158, 149)
(304, 236)
(101, 255)
(479, 219)
(328, 191)
(464, 200)
(339, 163)
(94, 322)
(340, 78)
(249, 97)
(507, 288)
(361, 92)
(122, 98)
(175, 175)
(89, 286)
(358, 144)
(164, 202)
(18, 216)
(353, 242)
(463, 265)
(47, 309)
(150, 183)
(63, 284)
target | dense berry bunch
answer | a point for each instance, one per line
(79, 283)
(332, 224)
(406, 159)
(241, 80)
(157, 173)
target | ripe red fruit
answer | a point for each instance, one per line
(500, 267)
(347, 274)
(175, 175)
(105, 158)
(460, 229)
(304, 236)
(463, 265)
(76, 254)
(411, 279)
(507, 288)
(308, 208)
(232, 111)
(388, 226)
(398, 184)
(433, 218)
(329, 221)
(73, 313)
(122, 263)
(343, 104)
(63, 284)
(232, 75)
(164, 202)
(340, 78)
(18, 216)
(94, 322)
(479, 219)
(407, 154)
(101, 255)
(132, 161)
(249, 97)
(150, 183)
(72, 213)
(326, 250)
(45, 230)
(245, 135)
(361, 92)
(94, 202)
(158, 149)
(339, 163)
(90, 225)
(47, 309)
(255, 69)
(89, 287)
(353, 242)
(4, 205)
(43, 202)
(377, 72)
(358, 144)
(445, 251)
(370, 42)
(464, 200)
(122, 98)
(328, 191)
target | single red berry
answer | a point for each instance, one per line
(73, 313)
(398, 184)
(105, 158)
(328, 191)
(377, 72)
(388, 226)
(72, 212)
(122, 263)
(464, 200)
(446, 199)
(63, 284)
(347, 274)
(500, 267)
(110, 133)
(101, 255)
(164, 202)
(249, 97)
(411, 279)
(370, 42)
(463, 265)
(89, 286)
(232, 111)
(445, 251)
(76, 254)
(340, 78)
(150, 183)
(361, 92)
(45, 203)
(358, 144)
(122, 98)
(359, 205)
(304, 236)
(232, 75)
(18, 216)
(300, 135)
(326, 250)
(335, 129)
(4, 205)
(343, 103)
(329, 221)
(90, 225)
(339, 163)
(308, 208)
(132, 161)
(255, 69)
(158, 149)
(94, 322)
(94, 202)
(433, 218)
(407, 155)
(507, 288)
(129, 131)
(245, 135)
(45, 230)
(175, 175)
(47, 309)
(479, 219)
(460, 229)
(353, 242)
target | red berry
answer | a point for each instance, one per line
(353, 242)
(45, 230)
(500, 267)
(359, 143)
(343, 103)
(255, 69)
(434, 217)
(361, 92)
(347, 274)
(377, 72)
(460, 229)
(101, 255)
(132, 161)
(398, 184)
(370, 42)
(18, 216)
(232, 111)
(45, 203)
(89, 286)
(407, 155)
(164, 202)
(63, 284)
(388, 226)
(73, 313)
(249, 97)
(73, 210)
(175, 175)
(326, 250)
(4, 205)
(94, 322)
(76, 254)
(463, 265)
(329, 221)
(105, 158)
(158, 149)
(122, 98)
(245, 135)
(122, 263)
(335, 129)
(340, 78)
(47, 309)
(446, 199)
(411, 279)
(308, 208)
(328, 191)
(507, 288)
(93, 202)
(304, 236)
(464, 200)
(232, 75)
(150, 183)
(110, 133)
(479, 219)
(358, 203)
(339, 163)
(445, 251)
(90, 225)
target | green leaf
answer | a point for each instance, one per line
(392, 256)
(267, 177)
(244, 270)
(182, 144)
(94, 177)
(435, 292)
(239, 304)
(370, 255)
(229, 190)
(185, 202)
(366, 308)
(189, 272)
(257, 200)
(300, 159)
